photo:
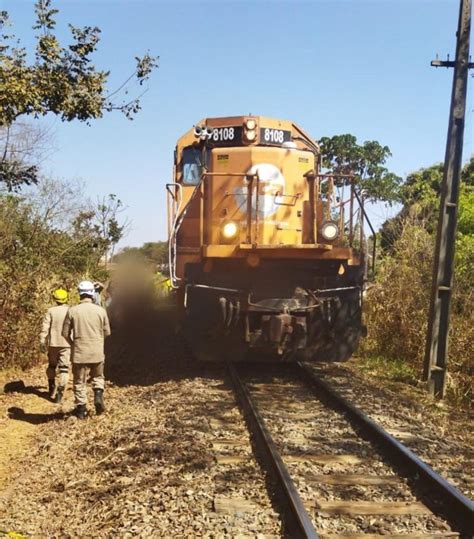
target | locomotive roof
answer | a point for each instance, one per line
(263, 121)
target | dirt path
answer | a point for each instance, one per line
(146, 468)
(30, 403)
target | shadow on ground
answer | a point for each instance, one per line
(35, 419)
(18, 386)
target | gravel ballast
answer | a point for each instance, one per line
(172, 455)
(146, 468)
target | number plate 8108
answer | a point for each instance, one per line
(275, 137)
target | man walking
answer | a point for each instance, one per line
(58, 348)
(86, 325)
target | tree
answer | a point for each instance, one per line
(151, 252)
(54, 201)
(23, 147)
(342, 155)
(98, 228)
(420, 195)
(50, 236)
(156, 251)
(107, 218)
(61, 80)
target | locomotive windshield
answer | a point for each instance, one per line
(191, 166)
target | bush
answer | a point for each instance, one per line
(397, 305)
(41, 248)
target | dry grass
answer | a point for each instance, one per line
(397, 310)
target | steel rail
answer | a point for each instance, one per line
(299, 517)
(453, 504)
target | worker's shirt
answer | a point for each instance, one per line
(86, 325)
(51, 332)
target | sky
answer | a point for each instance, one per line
(333, 67)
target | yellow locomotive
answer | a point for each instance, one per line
(267, 254)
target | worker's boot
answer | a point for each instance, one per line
(51, 387)
(99, 401)
(80, 411)
(59, 395)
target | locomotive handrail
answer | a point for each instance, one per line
(250, 178)
(208, 287)
(281, 195)
(257, 178)
(249, 208)
(174, 230)
(374, 235)
(337, 289)
(168, 188)
(225, 174)
(363, 214)
(324, 175)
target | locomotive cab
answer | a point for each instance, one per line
(266, 253)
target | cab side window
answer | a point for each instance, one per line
(191, 165)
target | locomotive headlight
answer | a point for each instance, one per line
(250, 135)
(229, 230)
(330, 231)
(250, 130)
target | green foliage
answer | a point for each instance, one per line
(22, 148)
(14, 174)
(343, 155)
(466, 210)
(390, 369)
(40, 247)
(154, 253)
(397, 304)
(420, 195)
(397, 307)
(38, 254)
(106, 227)
(61, 80)
(467, 173)
(424, 184)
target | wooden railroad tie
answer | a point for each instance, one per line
(352, 479)
(445, 535)
(231, 506)
(325, 459)
(368, 508)
(315, 459)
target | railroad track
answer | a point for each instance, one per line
(338, 473)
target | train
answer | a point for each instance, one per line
(267, 253)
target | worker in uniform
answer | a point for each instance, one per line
(57, 347)
(86, 325)
(98, 288)
(163, 283)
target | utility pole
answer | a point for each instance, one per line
(438, 320)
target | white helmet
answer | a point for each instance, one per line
(85, 288)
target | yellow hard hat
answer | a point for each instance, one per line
(60, 295)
